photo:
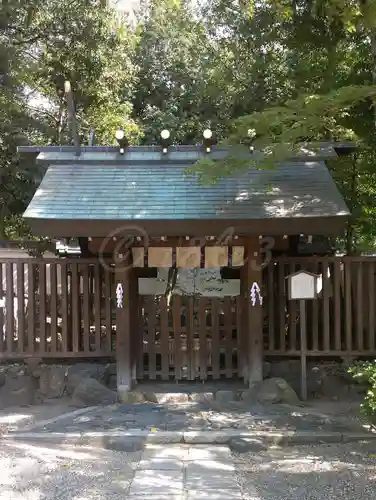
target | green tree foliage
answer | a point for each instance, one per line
(364, 372)
(292, 70)
(42, 45)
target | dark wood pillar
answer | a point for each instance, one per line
(252, 321)
(125, 320)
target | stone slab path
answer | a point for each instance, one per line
(198, 416)
(182, 472)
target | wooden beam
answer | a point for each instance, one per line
(72, 117)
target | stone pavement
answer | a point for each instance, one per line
(198, 416)
(185, 472)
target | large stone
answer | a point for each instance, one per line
(276, 390)
(132, 397)
(90, 392)
(79, 371)
(201, 397)
(126, 444)
(245, 445)
(225, 396)
(250, 395)
(111, 369)
(19, 389)
(3, 375)
(52, 381)
(33, 366)
(334, 386)
(266, 369)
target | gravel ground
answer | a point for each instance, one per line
(34, 472)
(62, 473)
(309, 472)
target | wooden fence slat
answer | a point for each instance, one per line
(359, 307)
(270, 305)
(176, 318)
(64, 306)
(151, 315)
(53, 306)
(9, 306)
(202, 304)
(108, 309)
(2, 299)
(141, 328)
(315, 317)
(76, 306)
(97, 305)
(21, 306)
(325, 309)
(165, 361)
(238, 335)
(337, 305)
(86, 308)
(216, 342)
(42, 308)
(348, 307)
(190, 339)
(293, 314)
(228, 335)
(282, 307)
(31, 316)
(371, 306)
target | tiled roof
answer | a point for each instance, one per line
(153, 190)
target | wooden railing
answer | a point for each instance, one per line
(64, 308)
(341, 322)
(56, 308)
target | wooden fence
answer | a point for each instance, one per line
(56, 308)
(62, 308)
(341, 322)
(189, 339)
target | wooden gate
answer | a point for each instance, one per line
(192, 338)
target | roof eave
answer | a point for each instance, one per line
(326, 226)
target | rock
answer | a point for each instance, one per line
(33, 366)
(80, 371)
(171, 397)
(165, 397)
(225, 396)
(250, 395)
(334, 386)
(89, 392)
(52, 381)
(201, 397)
(125, 444)
(3, 375)
(276, 390)
(285, 369)
(244, 445)
(112, 382)
(151, 396)
(266, 369)
(132, 397)
(110, 369)
(18, 390)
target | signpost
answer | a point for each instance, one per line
(303, 286)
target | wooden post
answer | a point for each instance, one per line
(253, 319)
(125, 377)
(303, 349)
(72, 117)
